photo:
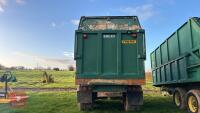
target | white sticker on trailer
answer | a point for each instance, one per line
(109, 36)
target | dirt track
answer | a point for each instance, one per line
(65, 90)
(45, 89)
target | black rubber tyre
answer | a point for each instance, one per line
(128, 107)
(94, 96)
(85, 106)
(179, 98)
(84, 98)
(133, 99)
(193, 101)
(125, 102)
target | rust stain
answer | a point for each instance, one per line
(109, 94)
(106, 81)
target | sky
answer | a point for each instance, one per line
(41, 32)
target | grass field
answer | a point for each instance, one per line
(33, 79)
(63, 79)
(63, 102)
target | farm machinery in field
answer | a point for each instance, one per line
(7, 95)
(5, 78)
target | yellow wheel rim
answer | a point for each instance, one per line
(1, 86)
(177, 99)
(193, 104)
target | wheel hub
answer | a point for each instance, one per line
(192, 103)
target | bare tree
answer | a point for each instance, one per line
(2, 67)
(71, 68)
(56, 69)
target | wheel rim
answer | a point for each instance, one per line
(193, 104)
(177, 99)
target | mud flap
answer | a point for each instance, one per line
(135, 98)
(84, 94)
(84, 98)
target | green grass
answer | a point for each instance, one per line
(63, 79)
(149, 86)
(33, 79)
(63, 102)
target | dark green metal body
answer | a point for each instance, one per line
(177, 59)
(113, 48)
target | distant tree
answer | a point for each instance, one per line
(56, 69)
(39, 68)
(48, 68)
(20, 68)
(71, 68)
(13, 68)
(2, 67)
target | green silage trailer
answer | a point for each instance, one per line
(176, 66)
(110, 54)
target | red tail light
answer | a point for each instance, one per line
(134, 35)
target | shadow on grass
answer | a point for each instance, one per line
(152, 104)
(108, 105)
(62, 102)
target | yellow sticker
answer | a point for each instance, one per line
(128, 41)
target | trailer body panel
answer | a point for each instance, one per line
(109, 49)
(177, 59)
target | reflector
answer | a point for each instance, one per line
(133, 35)
(84, 36)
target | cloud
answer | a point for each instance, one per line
(20, 2)
(2, 5)
(75, 22)
(161, 2)
(46, 61)
(69, 54)
(53, 24)
(144, 12)
(58, 24)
